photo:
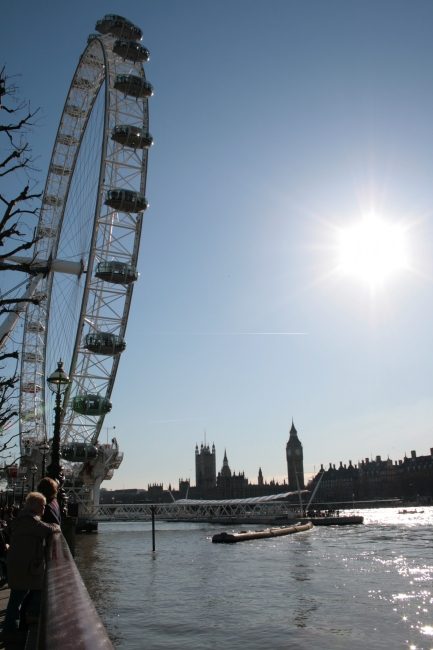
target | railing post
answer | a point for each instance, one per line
(153, 527)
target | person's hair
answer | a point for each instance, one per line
(33, 500)
(48, 487)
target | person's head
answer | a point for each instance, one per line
(48, 487)
(35, 502)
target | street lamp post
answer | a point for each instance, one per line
(44, 448)
(23, 476)
(33, 469)
(58, 383)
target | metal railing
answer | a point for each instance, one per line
(68, 619)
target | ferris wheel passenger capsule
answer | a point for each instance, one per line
(82, 83)
(59, 170)
(132, 85)
(126, 201)
(53, 201)
(91, 37)
(104, 23)
(33, 357)
(67, 140)
(104, 343)
(91, 404)
(78, 453)
(116, 272)
(75, 111)
(31, 387)
(35, 326)
(131, 50)
(131, 136)
(46, 231)
(29, 416)
(125, 29)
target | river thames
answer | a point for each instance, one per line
(367, 586)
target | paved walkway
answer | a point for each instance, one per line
(4, 598)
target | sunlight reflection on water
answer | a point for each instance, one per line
(363, 587)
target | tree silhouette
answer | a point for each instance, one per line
(18, 232)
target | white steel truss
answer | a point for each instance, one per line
(183, 511)
(76, 224)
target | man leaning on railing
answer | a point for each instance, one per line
(26, 564)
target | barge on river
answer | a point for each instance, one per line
(233, 538)
(337, 520)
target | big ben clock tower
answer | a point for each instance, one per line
(295, 460)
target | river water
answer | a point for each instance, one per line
(366, 586)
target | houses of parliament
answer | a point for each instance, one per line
(228, 485)
(222, 485)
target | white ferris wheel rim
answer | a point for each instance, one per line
(115, 237)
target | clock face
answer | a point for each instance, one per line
(298, 452)
(289, 452)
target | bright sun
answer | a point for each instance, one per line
(372, 250)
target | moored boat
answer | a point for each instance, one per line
(233, 538)
(337, 520)
(411, 512)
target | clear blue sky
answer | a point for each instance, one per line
(274, 124)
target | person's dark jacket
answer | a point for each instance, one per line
(26, 557)
(3, 544)
(52, 513)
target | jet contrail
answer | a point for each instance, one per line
(179, 420)
(237, 333)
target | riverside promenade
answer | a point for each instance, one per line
(31, 637)
(68, 618)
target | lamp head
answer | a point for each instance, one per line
(59, 380)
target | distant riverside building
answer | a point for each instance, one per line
(409, 479)
(155, 492)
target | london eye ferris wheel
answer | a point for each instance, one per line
(87, 253)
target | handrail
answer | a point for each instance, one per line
(68, 619)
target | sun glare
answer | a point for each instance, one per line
(373, 250)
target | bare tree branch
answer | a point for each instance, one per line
(24, 268)
(17, 233)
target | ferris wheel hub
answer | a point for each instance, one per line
(59, 266)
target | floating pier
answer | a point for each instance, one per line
(233, 538)
(337, 521)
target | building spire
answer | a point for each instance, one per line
(225, 461)
(293, 431)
